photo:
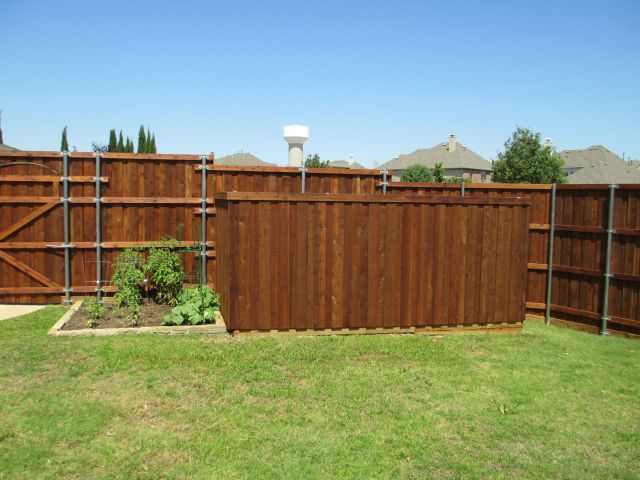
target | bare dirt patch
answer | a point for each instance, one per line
(151, 315)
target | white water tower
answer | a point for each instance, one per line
(295, 136)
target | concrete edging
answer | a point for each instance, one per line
(57, 329)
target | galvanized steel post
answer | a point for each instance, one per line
(303, 170)
(203, 222)
(607, 261)
(65, 219)
(552, 232)
(384, 181)
(98, 181)
(462, 189)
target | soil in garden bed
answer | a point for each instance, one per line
(151, 315)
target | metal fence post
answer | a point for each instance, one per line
(203, 222)
(552, 232)
(384, 181)
(462, 189)
(303, 171)
(98, 181)
(65, 219)
(607, 261)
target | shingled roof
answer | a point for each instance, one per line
(460, 158)
(5, 148)
(242, 159)
(597, 164)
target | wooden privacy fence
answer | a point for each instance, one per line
(134, 200)
(144, 197)
(309, 261)
(581, 223)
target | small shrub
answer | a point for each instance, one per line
(195, 305)
(95, 310)
(166, 270)
(127, 278)
(417, 173)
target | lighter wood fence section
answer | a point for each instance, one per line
(363, 261)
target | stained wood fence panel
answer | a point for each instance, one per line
(162, 194)
(306, 261)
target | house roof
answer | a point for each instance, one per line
(242, 159)
(346, 164)
(5, 148)
(597, 164)
(460, 158)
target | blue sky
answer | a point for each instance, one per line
(372, 79)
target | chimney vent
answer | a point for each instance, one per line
(453, 141)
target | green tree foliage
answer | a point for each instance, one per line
(128, 145)
(120, 142)
(526, 160)
(438, 173)
(142, 140)
(152, 147)
(64, 144)
(113, 141)
(313, 161)
(417, 173)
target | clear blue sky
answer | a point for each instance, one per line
(370, 78)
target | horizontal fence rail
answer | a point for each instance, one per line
(147, 196)
(310, 261)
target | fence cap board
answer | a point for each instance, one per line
(471, 186)
(105, 155)
(291, 170)
(357, 198)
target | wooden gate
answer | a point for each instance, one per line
(31, 268)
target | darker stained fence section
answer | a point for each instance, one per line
(309, 261)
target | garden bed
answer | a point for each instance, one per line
(150, 315)
(150, 320)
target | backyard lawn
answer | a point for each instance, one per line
(548, 403)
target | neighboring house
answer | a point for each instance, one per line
(242, 159)
(6, 148)
(457, 160)
(596, 164)
(350, 163)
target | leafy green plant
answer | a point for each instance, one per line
(167, 273)
(95, 310)
(526, 160)
(195, 305)
(127, 278)
(417, 173)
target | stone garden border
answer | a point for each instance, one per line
(57, 329)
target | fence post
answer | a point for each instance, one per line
(303, 171)
(384, 181)
(552, 233)
(203, 222)
(65, 219)
(607, 261)
(98, 181)
(462, 189)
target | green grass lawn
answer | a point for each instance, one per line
(548, 403)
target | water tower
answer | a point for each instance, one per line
(295, 136)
